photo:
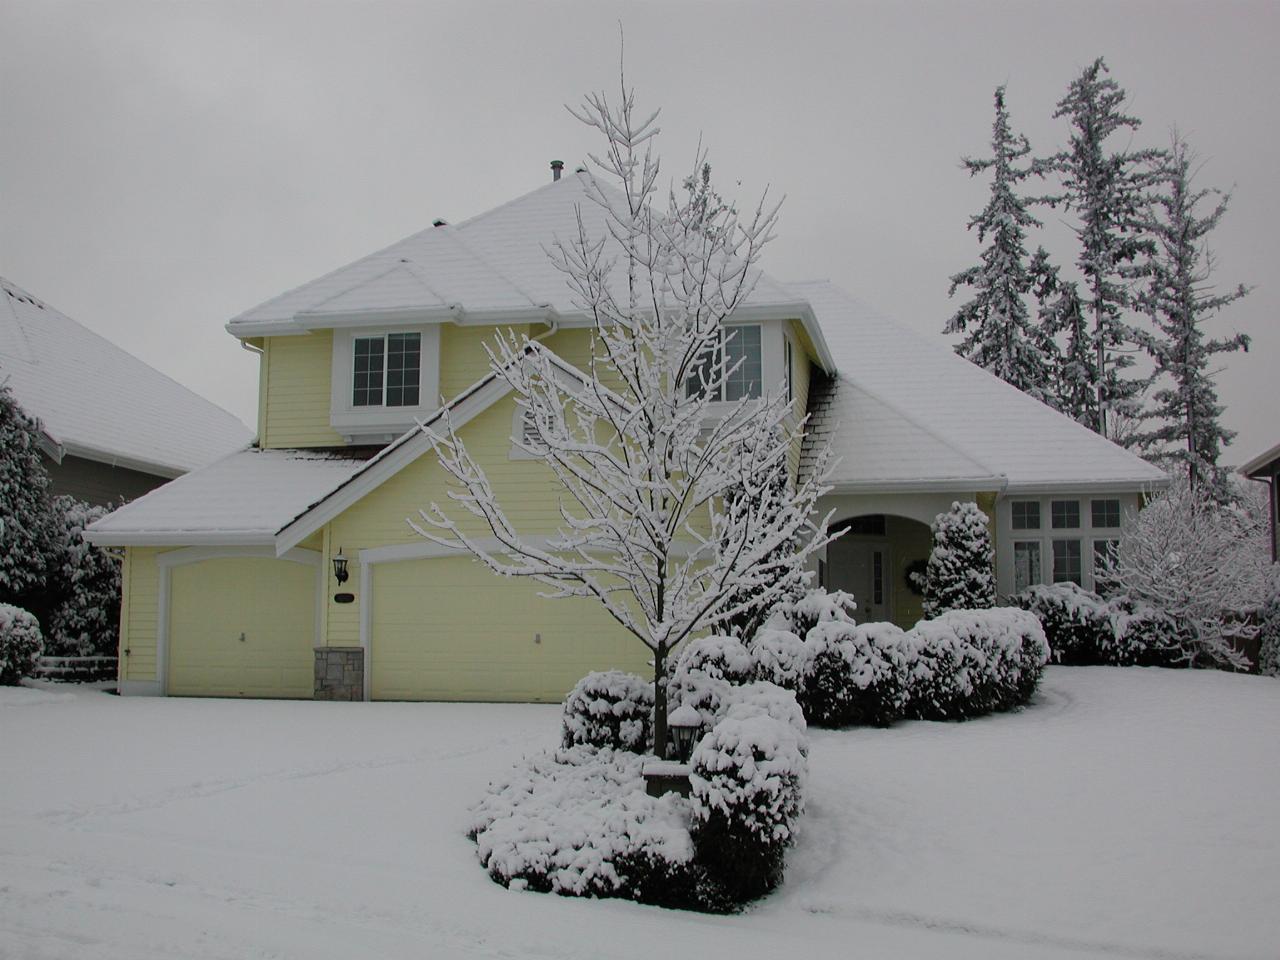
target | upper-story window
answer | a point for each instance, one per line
(739, 356)
(386, 370)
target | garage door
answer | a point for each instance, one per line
(449, 629)
(242, 627)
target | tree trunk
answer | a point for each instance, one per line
(660, 703)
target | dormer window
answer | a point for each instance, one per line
(739, 345)
(387, 370)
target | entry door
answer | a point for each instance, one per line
(861, 567)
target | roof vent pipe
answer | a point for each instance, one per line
(556, 167)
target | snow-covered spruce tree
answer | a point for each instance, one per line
(1072, 373)
(999, 334)
(28, 523)
(961, 570)
(1106, 191)
(1205, 564)
(86, 619)
(1180, 300)
(673, 516)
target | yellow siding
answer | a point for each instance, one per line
(463, 360)
(139, 606)
(295, 401)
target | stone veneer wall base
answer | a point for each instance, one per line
(339, 673)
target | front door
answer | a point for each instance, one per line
(861, 567)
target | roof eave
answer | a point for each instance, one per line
(1119, 485)
(1262, 466)
(920, 485)
(177, 538)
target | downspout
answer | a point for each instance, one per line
(264, 375)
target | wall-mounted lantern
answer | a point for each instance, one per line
(340, 568)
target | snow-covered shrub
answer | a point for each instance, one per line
(86, 620)
(747, 794)
(28, 524)
(20, 644)
(961, 570)
(578, 822)
(967, 663)
(1143, 636)
(780, 658)
(609, 709)
(854, 674)
(1205, 564)
(721, 658)
(1076, 622)
(764, 699)
(1269, 638)
(819, 606)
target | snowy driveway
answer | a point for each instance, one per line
(1127, 813)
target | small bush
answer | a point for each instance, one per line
(780, 658)
(747, 780)
(819, 606)
(609, 709)
(1141, 635)
(20, 644)
(1076, 622)
(1269, 639)
(720, 658)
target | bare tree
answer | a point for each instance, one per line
(678, 512)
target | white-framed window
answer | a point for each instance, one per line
(739, 353)
(386, 370)
(1059, 538)
(789, 370)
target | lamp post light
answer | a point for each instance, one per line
(684, 724)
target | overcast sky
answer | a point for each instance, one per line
(164, 165)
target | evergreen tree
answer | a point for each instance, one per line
(1180, 299)
(1106, 190)
(961, 570)
(999, 333)
(1073, 372)
(28, 526)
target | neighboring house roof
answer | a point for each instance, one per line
(906, 412)
(1263, 465)
(490, 269)
(241, 499)
(96, 401)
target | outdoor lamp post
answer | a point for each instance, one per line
(684, 724)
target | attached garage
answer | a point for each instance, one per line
(447, 628)
(242, 627)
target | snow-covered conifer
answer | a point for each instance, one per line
(86, 619)
(999, 334)
(1105, 188)
(1073, 372)
(28, 524)
(677, 511)
(1180, 300)
(961, 570)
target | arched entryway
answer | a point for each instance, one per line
(872, 559)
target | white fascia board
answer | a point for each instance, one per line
(323, 320)
(283, 327)
(382, 468)
(152, 467)
(181, 538)
(924, 485)
(1132, 485)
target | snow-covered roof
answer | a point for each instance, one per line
(491, 268)
(96, 401)
(904, 411)
(1262, 464)
(244, 498)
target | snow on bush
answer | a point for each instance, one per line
(20, 644)
(854, 674)
(578, 822)
(747, 794)
(721, 658)
(1076, 622)
(1141, 635)
(780, 658)
(961, 570)
(28, 525)
(1269, 638)
(86, 620)
(815, 607)
(609, 709)
(763, 699)
(970, 662)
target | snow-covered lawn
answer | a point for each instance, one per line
(1126, 813)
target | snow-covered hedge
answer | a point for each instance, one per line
(1077, 623)
(967, 663)
(578, 822)
(1141, 635)
(854, 675)
(609, 709)
(720, 658)
(1269, 639)
(20, 644)
(86, 620)
(747, 794)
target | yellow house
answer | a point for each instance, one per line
(230, 581)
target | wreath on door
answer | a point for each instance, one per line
(915, 576)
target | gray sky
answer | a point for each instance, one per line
(164, 166)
